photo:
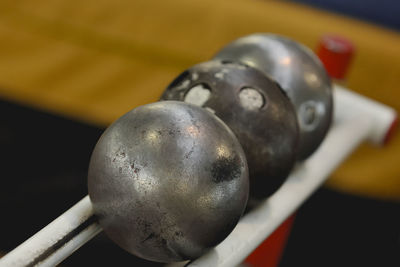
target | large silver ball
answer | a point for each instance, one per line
(168, 181)
(299, 72)
(256, 110)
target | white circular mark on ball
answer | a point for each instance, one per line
(195, 76)
(198, 95)
(219, 75)
(251, 99)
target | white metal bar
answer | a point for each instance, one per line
(57, 240)
(68, 248)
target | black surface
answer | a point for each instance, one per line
(43, 169)
(333, 229)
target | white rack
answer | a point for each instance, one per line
(356, 118)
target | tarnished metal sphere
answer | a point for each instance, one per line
(299, 72)
(256, 110)
(168, 181)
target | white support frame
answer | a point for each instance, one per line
(356, 119)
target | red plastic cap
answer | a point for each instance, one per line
(335, 53)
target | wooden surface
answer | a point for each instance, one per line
(95, 60)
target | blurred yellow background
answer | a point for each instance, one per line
(95, 60)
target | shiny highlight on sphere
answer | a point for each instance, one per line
(168, 181)
(255, 109)
(299, 72)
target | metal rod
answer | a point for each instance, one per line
(57, 240)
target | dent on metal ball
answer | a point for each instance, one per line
(168, 181)
(299, 72)
(255, 109)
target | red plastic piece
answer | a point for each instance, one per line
(391, 130)
(269, 253)
(336, 53)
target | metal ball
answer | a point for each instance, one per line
(168, 181)
(256, 110)
(299, 72)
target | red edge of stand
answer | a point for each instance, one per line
(391, 130)
(269, 253)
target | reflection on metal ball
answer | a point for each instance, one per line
(256, 110)
(168, 181)
(299, 72)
